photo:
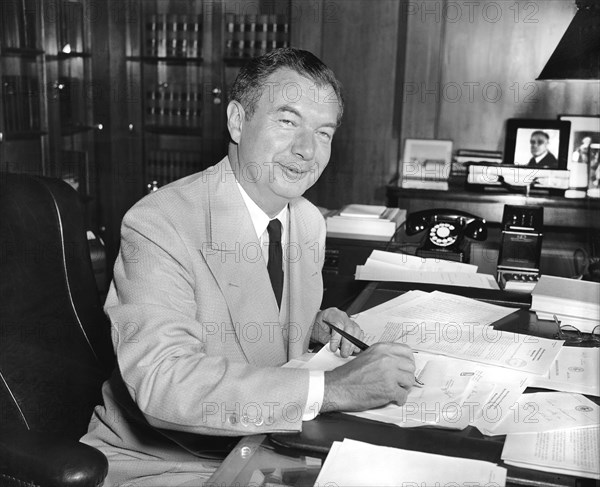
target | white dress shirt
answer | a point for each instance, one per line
(260, 220)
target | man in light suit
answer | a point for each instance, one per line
(199, 328)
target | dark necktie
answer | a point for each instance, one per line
(275, 265)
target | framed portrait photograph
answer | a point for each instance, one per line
(542, 144)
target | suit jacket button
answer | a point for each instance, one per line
(258, 421)
(233, 419)
(245, 421)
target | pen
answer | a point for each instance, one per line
(358, 343)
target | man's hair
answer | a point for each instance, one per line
(250, 82)
(542, 133)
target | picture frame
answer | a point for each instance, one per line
(582, 128)
(425, 160)
(542, 144)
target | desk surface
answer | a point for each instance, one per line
(295, 459)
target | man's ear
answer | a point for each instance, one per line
(235, 120)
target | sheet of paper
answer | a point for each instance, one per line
(477, 343)
(456, 392)
(569, 451)
(406, 262)
(440, 307)
(547, 411)
(379, 271)
(394, 302)
(575, 369)
(353, 463)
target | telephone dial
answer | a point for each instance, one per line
(445, 230)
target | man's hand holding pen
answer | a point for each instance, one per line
(378, 375)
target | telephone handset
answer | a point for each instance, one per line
(445, 231)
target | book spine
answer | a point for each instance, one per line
(229, 34)
(161, 35)
(172, 35)
(262, 28)
(272, 33)
(152, 35)
(197, 36)
(182, 36)
(240, 36)
(282, 36)
(250, 32)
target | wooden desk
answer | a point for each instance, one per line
(295, 459)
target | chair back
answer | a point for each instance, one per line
(55, 349)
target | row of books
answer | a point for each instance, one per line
(18, 24)
(364, 222)
(177, 108)
(164, 166)
(252, 35)
(173, 35)
(20, 98)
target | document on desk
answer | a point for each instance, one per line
(354, 463)
(575, 369)
(440, 307)
(545, 411)
(379, 271)
(413, 262)
(393, 303)
(483, 344)
(447, 324)
(568, 451)
(456, 392)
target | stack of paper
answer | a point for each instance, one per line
(469, 369)
(354, 463)
(573, 301)
(365, 222)
(572, 451)
(389, 266)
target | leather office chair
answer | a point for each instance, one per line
(55, 349)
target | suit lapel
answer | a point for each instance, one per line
(234, 256)
(306, 285)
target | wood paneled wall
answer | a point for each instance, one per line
(472, 65)
(359, 40)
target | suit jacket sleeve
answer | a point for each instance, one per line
(177, 350)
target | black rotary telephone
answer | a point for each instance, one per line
(445, 231)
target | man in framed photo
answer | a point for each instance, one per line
(541, 156)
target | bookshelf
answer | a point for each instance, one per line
(23, 127)
(165, 55)
(181, 58)
(47, 91)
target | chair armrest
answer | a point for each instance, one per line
(47, 460)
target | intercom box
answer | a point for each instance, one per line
(520, 247)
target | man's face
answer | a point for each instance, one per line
(539, 145)
(285, 146)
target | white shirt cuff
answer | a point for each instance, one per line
(316, 393)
